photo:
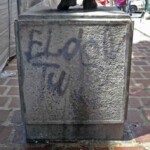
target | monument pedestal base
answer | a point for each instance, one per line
(74, 71)
(73, 133)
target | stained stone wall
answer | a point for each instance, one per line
(74, 72)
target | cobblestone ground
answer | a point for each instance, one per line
(137, 126)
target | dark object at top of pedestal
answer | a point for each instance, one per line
(87, 4)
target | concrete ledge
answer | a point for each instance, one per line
(72, 133)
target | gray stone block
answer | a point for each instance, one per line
(73, 132)
(74, 73)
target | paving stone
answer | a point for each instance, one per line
(3, 115)
(2, 81)
(2, 90)
(147, 59)
(141, 133)
(147, 114)
(142, 47)
(131, 82)
(139, 92)
(4, 134)
(13, 82)
(16, 118)
(146, 43)
(134, 103)
(133, 116)
(13, 61)
(13, 91)
(133, 89)
(140, 63)
(19, 136)
(143, 82)
(146, 68)
(146, 102)
(135, 75)
(3, 101)
(146, 75)
(137, 54)
(137, 68)
(11, 68)
(15, 102)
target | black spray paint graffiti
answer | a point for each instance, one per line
(64, 51)
(71, 48)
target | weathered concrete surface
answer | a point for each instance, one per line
(73, 132)
(74, 73)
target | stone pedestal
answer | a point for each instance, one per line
(73, 73)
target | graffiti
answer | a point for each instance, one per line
(68, 52)
(57, 86)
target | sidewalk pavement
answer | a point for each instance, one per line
(137, 126)
(142, 26)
